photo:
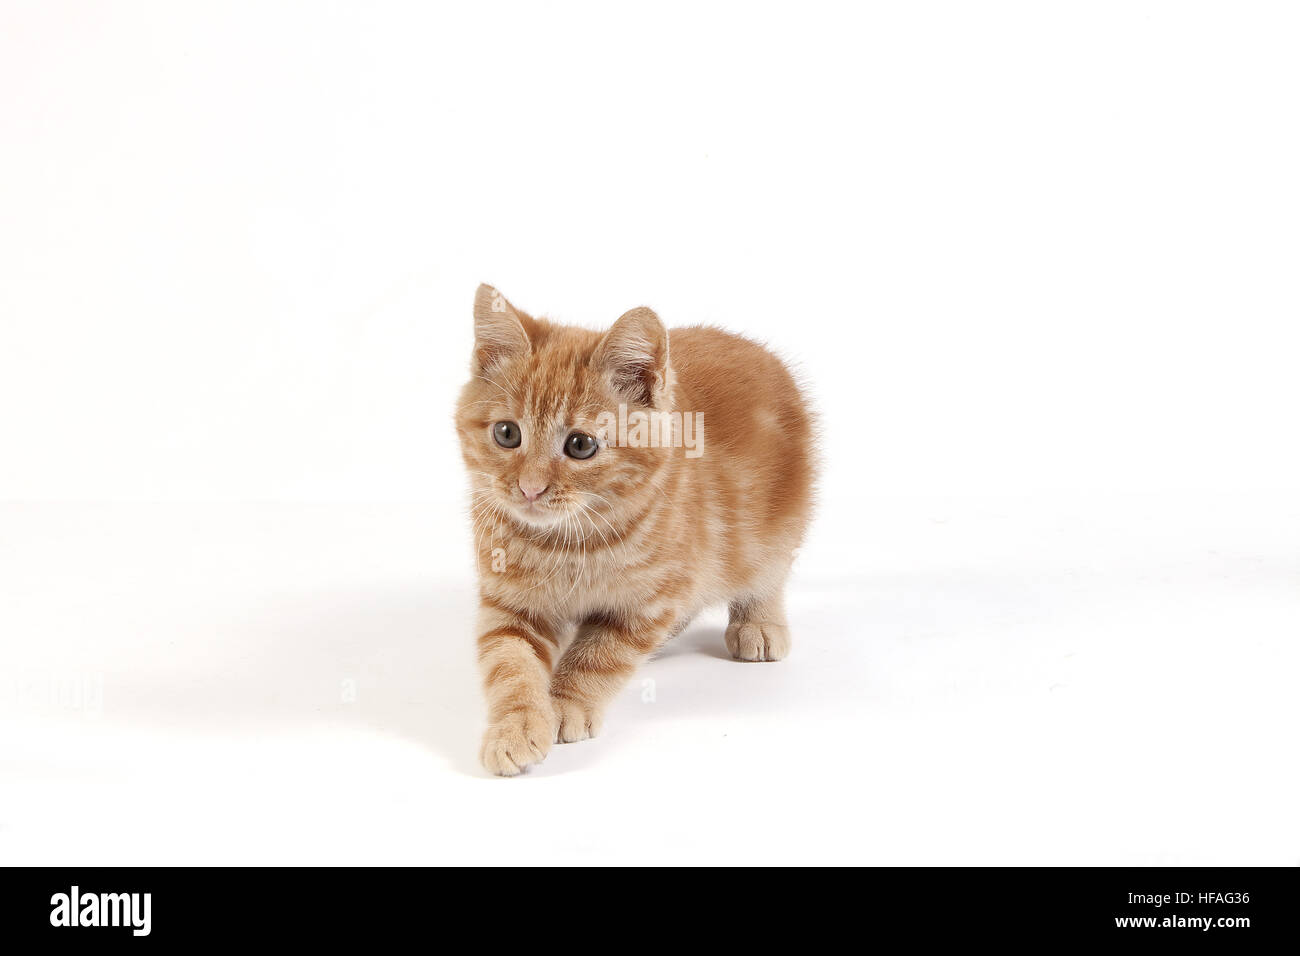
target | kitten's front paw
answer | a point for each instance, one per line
(758, 641)
(577, 721)
(518, 739)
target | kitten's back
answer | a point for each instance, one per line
(759, 433)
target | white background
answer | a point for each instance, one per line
(1036, 263)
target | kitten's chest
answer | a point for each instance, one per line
(565, 575)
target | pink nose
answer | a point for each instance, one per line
(532, 489)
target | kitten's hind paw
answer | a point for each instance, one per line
(758, 640)
(577, 721)
(518, 739)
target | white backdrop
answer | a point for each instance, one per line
(1013, 248)
(1037, 263)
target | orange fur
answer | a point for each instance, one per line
(620, 550)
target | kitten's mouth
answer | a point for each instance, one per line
(535, 514)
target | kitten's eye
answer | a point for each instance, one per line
(580, 445)
(507, 434)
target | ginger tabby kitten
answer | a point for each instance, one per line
(599, 538)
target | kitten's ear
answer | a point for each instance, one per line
(498, 332)
(635, 354)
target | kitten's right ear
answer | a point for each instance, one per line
(498, 333)
(634, 352)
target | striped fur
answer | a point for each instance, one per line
(621, 549)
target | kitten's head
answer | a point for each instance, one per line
(534, 419)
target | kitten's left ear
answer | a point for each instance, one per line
(499, 333)
(635, 354)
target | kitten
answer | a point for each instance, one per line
(601, 536)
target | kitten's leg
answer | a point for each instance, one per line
(757, 629)
(515, 654)
(606, 652)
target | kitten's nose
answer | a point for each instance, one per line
(532, 489)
